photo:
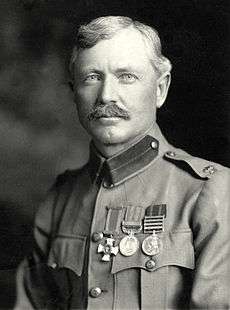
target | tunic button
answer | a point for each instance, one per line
(150, 264)
(95, 292)
(105, 184)
(97, 236)
(108, 185)
(171, 153)
(154, 145)
(54, 265)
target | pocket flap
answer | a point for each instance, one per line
(68, 252)
(176, 249)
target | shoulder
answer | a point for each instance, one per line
(213, 178)
(55, 198)
(196, 166)
(210, 180)
(68, 176)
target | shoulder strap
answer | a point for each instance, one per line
(202, 168)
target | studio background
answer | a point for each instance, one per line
(40, 135)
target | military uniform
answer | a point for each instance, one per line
(82, 257)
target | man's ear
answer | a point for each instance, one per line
(163, 83)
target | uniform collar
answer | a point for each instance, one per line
(126, 164)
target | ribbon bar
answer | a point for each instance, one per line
(153, 223)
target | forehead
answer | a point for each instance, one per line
(126, 48)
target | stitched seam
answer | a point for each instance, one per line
(42, 232)
(198, 196)
(167, 290)
(114, 291)
(74, 237)
(177, 231)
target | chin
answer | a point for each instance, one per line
(110, 136)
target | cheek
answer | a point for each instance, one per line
(141, 100)
(85, 100)
(87, 93)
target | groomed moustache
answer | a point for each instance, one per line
(108, 110)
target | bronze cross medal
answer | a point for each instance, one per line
(109, 248)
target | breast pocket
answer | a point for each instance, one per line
(176, 249)
(68, 252)
(164, 279)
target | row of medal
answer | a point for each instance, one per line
(129, 245)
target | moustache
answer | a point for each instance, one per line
(109, 110)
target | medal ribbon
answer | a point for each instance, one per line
(133, 218)
(113, 220)
(108, 247)
(155, 210)
(154, 218)
(130, 226)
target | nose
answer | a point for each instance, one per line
(108, 92)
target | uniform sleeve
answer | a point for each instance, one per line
(32, 275)
(211, 226)
(22, 301)
(40, 286)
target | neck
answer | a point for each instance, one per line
(110, 150)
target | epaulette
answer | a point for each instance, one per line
(203, 168)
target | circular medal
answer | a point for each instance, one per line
(128, 245)
(151, 245)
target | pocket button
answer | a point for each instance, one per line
(54, 265)
(150, 264)
(97, 236)
(95, 292)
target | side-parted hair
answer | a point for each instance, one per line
(104, 28)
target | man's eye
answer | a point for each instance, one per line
(127, 78)
(92, 78)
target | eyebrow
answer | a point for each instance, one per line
(89, 69)
(129, 69)
(121, 69)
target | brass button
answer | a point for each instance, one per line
(209, 169)
(154, 145)
(150, 264)
(171, 153)
(54, 266)
(105, 184)
(95, 292)
(108, 185)
(97, 236)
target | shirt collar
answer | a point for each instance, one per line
(126, 164)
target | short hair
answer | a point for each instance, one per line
(104, 28)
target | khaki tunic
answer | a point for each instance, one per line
(192, 270)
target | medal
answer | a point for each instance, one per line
(129, 245)
(153, 223)
(108, 247)
(151, 245)
(131, 225)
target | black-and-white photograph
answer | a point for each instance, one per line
(115, 154)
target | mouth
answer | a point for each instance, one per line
(108, 120)
(108, 116)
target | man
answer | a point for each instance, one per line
(142, 225)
